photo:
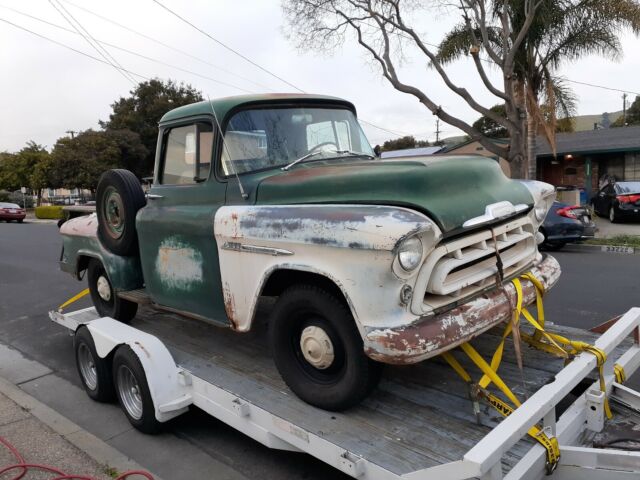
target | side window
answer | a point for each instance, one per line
(187, 154)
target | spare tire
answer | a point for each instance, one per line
(118, 199)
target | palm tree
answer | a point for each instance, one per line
(562, 31)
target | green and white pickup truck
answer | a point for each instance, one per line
(371, 261)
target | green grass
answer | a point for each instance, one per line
(621, 240)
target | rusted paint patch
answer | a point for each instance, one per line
(178, 265)
(433, 335)
(229, 305)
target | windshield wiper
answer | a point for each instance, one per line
(313, 154)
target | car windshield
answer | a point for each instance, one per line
(275, 137)
(628, 187)
(9, 205)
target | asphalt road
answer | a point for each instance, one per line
(594, 288)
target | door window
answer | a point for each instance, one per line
(187, 154)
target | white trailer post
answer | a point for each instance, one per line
(418, 425)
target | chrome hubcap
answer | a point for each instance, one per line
(104, 289)
(87, 367)
(129, 392)
(316, 347)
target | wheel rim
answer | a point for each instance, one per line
(317, 348)
(104, 288)
(129, 392)
(87, 365)
(113, 210)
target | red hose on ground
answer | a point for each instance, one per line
(22, 465)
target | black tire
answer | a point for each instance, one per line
(95, 372)
(126, 369)
(118, 198)
(613, 216)
(107, 305)
(349, 377)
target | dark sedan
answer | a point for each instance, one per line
(618, 201)
(11, 211)
(566, 224)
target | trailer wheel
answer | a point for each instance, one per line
(119, 196)
(105, 299)
(95, 372)
(133, 392)
(318, 350)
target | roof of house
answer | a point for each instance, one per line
(411, 152)
(593, 141)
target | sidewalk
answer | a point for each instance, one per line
(42, 436)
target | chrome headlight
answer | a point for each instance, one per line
(543, 197)
(410, 253)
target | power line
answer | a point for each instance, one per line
(70, 48)
(155, 40)
(132, 52)
(103, 53)
(227, 47)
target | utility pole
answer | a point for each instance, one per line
(438, 131)
(72, 133)
(624, 109)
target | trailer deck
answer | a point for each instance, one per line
(419, 417)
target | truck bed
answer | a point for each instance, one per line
(420, 416)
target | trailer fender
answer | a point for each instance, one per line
(169, 391)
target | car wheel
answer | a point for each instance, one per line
(118, 198)
(132, 390)
(318, 349)
(105, 299)
(613, 216)
(95, 372)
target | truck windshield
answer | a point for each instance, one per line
(268, 138)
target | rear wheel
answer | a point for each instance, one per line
(318, 349)
(95, 372)
(105, 299)
(132, 390)
(118, 198)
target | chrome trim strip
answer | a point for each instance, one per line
(239, 247)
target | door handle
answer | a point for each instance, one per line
(153, 196)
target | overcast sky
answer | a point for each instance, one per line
(47, 89)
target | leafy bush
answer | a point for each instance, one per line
(50, 211)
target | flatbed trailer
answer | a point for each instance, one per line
(418, 424)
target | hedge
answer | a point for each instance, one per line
(50, 211)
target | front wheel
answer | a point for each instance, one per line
(318, 349)
(104, 297)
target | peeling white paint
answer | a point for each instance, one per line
(178, 265)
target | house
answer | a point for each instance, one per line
(583, 158)
(476, 148)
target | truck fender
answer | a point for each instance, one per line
(166, 385)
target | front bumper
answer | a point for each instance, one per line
(435, 334)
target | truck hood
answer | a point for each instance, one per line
(450, 190)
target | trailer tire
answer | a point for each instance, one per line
(104, 297)
(133, 392)
(95, 372)
(318, 349)
(119, 196)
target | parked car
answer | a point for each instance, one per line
(566, 224)
(371, 261)
(12, 211)
(618, 201)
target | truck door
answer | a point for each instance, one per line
(175, 229)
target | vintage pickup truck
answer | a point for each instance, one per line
(371, 261)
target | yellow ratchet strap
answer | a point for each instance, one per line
(73, 299)
(549, 443)
(621, 377)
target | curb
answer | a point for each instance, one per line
(95, 448)
(619, 249)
